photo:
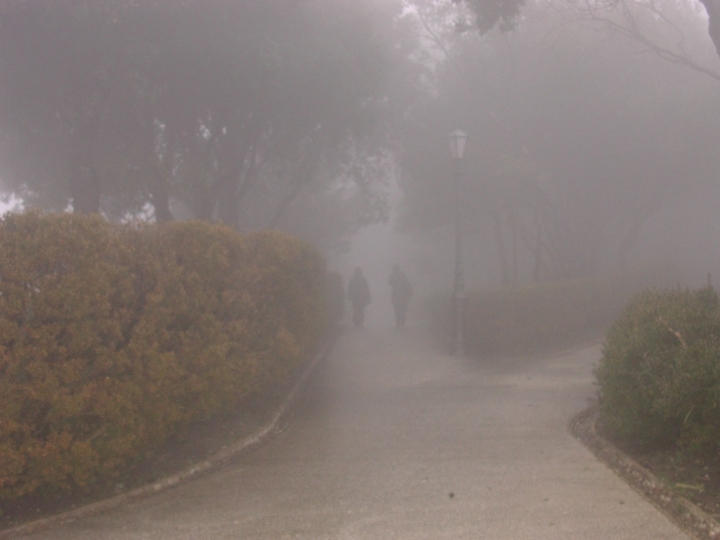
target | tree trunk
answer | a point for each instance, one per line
(241, 172)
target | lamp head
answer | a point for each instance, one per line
(456, 141)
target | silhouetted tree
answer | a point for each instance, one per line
(194, 107)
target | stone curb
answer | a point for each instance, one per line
(213, 462)
(689, 517)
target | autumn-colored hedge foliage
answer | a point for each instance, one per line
(114, 337)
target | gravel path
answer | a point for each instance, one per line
(394, 441)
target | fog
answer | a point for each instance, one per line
(375, 249)
(590, 152)
(593, 131)
(593, 153)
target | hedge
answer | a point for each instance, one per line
(659, 377)
(113, 338)
(537, 317)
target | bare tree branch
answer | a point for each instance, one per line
(596, 13)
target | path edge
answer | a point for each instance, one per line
(692, 520)
(213, 462)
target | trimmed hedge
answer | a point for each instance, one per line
(659, 376)
(537, 317)
(112, 338)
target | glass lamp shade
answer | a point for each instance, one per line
(456, 141)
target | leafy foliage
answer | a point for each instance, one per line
(660, 376)
(113, 338)
(247, 113)
(502, 13)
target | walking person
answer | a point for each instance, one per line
(400, 293)
(359, 296)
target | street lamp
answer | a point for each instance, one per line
(456, 141)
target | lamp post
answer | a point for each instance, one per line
(456, 141)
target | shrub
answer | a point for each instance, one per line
(66, 308)
(659, 377)
(288, 291)
(113, 338)
(537, 317)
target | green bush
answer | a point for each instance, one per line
(537, 317)
(659, 377)
(114, 338)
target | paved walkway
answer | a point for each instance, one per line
(394, 441)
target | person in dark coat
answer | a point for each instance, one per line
(359, 296)
(400, 293)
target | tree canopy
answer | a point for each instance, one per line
(296, 115)
(504, 13)
(229, 110)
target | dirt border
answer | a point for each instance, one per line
(692, 520)
(215, 461)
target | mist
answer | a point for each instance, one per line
(591, 170)
(375, 249)
(589, 152)
(593, 134)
